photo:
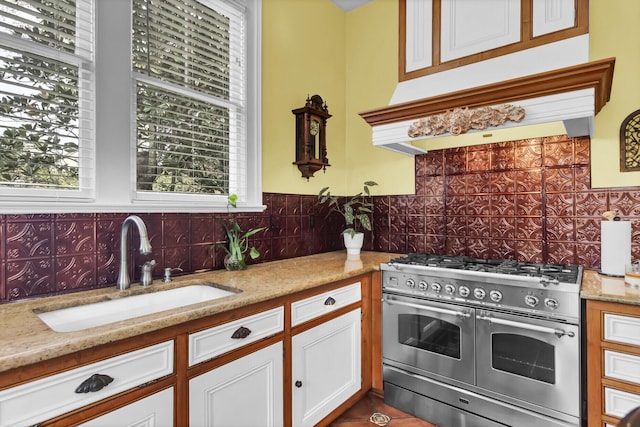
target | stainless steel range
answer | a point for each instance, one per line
(472, 343)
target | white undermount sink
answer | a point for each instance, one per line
(86, 316)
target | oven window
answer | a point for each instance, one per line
(524, 356)
(430, 334)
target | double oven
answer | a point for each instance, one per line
(467, 343)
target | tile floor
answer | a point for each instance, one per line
(371, 411)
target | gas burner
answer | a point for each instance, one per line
(560, 272)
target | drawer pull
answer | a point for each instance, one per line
(241, 332)
(329, 301)
(298, 383)
(95, 382)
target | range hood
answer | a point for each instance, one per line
(572, 94)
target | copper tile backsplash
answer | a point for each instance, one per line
(529, 200)
(526, 200)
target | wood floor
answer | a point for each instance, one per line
(371, 411)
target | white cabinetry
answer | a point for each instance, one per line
(613, 353)
(42, 399)
(152, 411)
(247, 391)
(326, 367)
(244, 393)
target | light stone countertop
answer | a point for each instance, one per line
(596, 286)
(25, 339)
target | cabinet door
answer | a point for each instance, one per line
(326, 367)
(244, 393)
(153, 411)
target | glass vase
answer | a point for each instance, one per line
(234, 263)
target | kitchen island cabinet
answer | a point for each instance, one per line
(198, 356)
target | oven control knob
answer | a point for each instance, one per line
(496, 296)
(551, 303)
(464, 291)
(411, 283)
(423, 285)
(436, 287)
(531, 300)
(479, 293)
(449, 288)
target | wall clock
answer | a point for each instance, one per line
(311, 137)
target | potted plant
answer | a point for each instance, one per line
(356, 211)
(237, 243)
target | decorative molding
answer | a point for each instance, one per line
(597, 75)
(461, 120)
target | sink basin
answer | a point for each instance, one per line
(101, 313)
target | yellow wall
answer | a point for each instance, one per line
(353, 66)
(614, 31)
(302, 55)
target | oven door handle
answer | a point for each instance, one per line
(429, 308)
(537, 328)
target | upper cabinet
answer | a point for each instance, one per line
(437, 35)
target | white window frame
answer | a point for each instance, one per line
(115, 170)
(12, 198)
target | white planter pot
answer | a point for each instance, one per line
(353, 244)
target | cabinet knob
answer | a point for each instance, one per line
(241, 332)
(298, 383)
(329, 301)
(95, 382)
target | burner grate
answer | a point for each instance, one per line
(561, 272)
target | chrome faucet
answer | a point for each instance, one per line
(145, 248)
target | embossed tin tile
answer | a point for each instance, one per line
(591, 204)
(434, 186)
(528, 154)
(455, 160)
(558, 153)
(528, 181)
(529, 250)
(626, 201)
(503, 158)
(478, 183)
(75, 272)
(560, 204)
(29, 239)
(529, 204)
(559, 180)
(502, 182)
(560, 228)
(31, 277)
(176, 229)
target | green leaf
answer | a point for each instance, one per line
(253, 253)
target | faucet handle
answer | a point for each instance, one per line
(167, 273)
(146, 278)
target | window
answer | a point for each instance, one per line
(155, 107)
(46, 112)
(188, 61)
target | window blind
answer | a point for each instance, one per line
(47, 140)
(188, 57)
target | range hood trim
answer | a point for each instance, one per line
(597, 75)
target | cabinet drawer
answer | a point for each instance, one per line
(317, 305)
(155, 410)
(55, 395)
(618, 403)
(212, 342)
(622, 366)
(622, 329)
